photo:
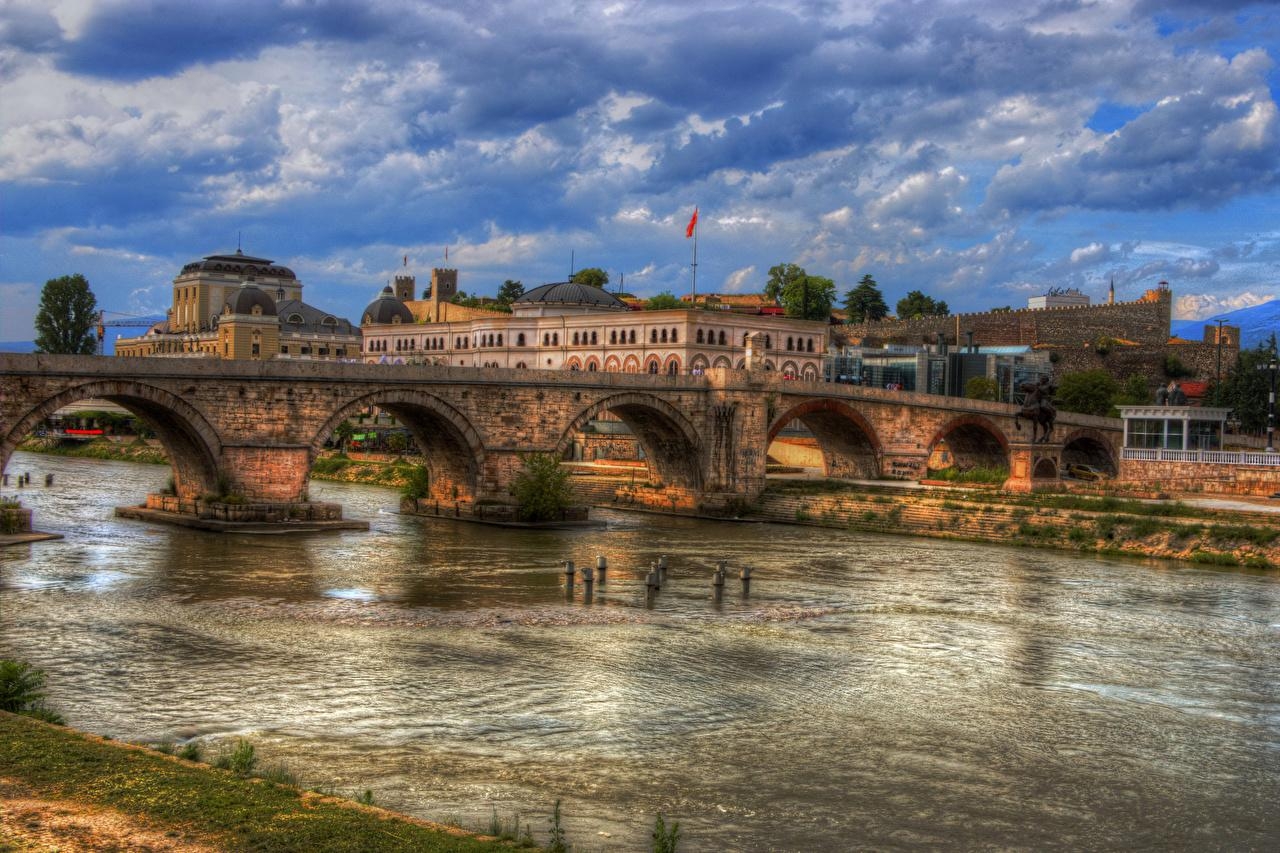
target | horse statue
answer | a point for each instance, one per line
(1038, 408)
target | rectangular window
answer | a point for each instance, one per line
(1146, 432)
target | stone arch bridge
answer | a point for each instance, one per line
(255, 428)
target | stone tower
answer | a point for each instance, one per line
(403, 287)
(444, 286)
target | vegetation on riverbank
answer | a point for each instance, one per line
(1083, 523)
(203, 805)
(136, 450)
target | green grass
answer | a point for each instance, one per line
(234, 812)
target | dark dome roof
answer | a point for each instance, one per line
(239, 264)
(571, 293)
(246, 297)
(386, 309)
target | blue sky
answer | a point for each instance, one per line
(978, 151)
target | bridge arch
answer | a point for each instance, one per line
(1084, 446)
(849, 444)
(193, 446)
(973, 441)
(453, 448)
(669, 441)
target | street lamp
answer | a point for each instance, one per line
(1271, 365)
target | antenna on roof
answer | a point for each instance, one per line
(237, 240)
(571, 260)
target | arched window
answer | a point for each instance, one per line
(613, 336)
(546, 339)
(810, 344)
(673, 367)
(790, 344)
(768, 342)
(664, 336)
(745, 335)
(722, 337)
(632, 336)
(653, 336)
(499, 338)
(653, 367)
(520, 339)
(555, 339)
(675, 336)
(593, 340)
(699, 336)
(591, 367)
(575, 339)
(521, 365)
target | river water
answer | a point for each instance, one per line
(870, 692)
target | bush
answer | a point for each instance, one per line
(240, 760)
(22, 691)
(417, 483)
(542, 488)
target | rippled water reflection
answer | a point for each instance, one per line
(871, 692)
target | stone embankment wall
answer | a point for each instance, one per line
(1145, 321)
(14, 519)
(1197, 478)
(1216, 538)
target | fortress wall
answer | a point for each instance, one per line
(1145, 321)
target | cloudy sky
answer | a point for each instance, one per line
(978, 151)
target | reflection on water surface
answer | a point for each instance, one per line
(870, 692)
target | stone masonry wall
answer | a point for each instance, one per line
(1145, 321)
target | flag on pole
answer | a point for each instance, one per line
(446, 253)
(693, 224)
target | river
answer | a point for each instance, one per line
(870, 691)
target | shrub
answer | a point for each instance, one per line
(240, 760)
(22, 691)
(556, 842)
(417, 483)
(665, 840)
(541, 488)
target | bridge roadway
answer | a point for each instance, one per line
(254, 428)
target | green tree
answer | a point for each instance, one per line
(916, 305)
(1089, 392)
(1134, 392)
(591, 276)
(663, 300)
(982, 388)
(510, 291)
(66, 318)
(809, 297)
(541, 488)
(343, 432)
(865, 302)
(779, 277)
(1246, 387)
(417, 483)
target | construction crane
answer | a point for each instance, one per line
(126, 321)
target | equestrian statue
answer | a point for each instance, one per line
(1038, 408)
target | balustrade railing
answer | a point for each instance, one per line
(1220, 457)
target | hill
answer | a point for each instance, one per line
(1256, 324)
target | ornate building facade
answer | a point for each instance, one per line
(241, 307)
(570, 326)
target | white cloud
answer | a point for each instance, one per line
(1201, 306)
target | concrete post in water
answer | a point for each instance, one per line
(717, 582)
(48, 479)
(662, 568)
(745, 575)
(588, 576)
(654, 578)
(6, 479)
(568, 573)
(601, 566)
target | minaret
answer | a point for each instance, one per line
(1111, 292)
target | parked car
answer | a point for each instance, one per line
(1085, 472)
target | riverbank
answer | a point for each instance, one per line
(64, 790)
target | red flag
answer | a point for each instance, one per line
(693, 223)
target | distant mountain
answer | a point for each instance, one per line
(17, 346)
(1256, 324)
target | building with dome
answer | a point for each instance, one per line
(570, 326)
(241, 307)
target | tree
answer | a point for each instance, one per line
(1245, 388)
(591, 276)
(541, 488)
(67, 315)
(809, 297)
(865, 302)
(510, 291)
(916, 305)
(1089, 392)
(343, 432)
(779, 277)
(982, 388)
(663, 300)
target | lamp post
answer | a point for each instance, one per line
(1271, 365)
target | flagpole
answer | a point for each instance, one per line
(693, 296)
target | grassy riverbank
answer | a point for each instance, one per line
(161, 802)
(124, 450)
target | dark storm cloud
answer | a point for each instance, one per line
(143, 38)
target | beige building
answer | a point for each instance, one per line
(242, 307)
(569, 326)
